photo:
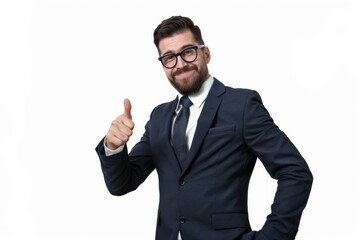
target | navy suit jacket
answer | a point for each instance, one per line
(207, 198)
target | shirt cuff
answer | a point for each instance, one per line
(109, 152)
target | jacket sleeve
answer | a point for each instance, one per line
(284, 163)
(123, 172)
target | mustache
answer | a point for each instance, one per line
(184, 69)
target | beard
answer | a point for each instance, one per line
(192, 84)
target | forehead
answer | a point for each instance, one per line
(176, 42)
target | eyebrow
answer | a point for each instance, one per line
(182, 48)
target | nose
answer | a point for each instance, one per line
(180, 62)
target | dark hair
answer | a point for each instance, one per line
(174, 25)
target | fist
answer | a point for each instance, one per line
(121, 128)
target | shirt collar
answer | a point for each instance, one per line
(199, 98)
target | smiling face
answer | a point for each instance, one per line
(186, 78)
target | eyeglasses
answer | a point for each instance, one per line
(188, 55)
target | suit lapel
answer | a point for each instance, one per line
(207, 115)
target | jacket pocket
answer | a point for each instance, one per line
(230, 129)
(230, 220)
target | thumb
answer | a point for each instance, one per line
(127, 108)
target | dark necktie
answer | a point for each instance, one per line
(179, 139)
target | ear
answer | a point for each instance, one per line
(207, 54)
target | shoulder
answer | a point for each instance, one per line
(163, 109)
(235, 93)
(165, 105)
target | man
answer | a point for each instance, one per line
(204, 176)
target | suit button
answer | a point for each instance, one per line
(182, 220)
(182, 182)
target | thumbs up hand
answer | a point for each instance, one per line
(121, 128)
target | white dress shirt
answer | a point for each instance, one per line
(198, 101)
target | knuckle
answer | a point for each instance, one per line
(125, 138)
(115, 122)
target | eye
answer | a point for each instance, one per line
(188, 52)
(168, 58)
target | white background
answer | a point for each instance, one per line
(65, 67)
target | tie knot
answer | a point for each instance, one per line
(185, 101)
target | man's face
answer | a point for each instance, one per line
(186, 78)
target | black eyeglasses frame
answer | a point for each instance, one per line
(180, 54)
